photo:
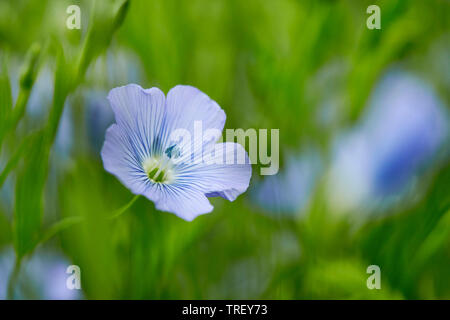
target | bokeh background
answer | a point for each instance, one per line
(364, 173)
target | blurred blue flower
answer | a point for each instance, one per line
(289, 191)
(140, 151)
(41, 96)
(402, 131)
(116, 68)
(99, 117)
(42, 277)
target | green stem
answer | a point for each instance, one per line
(70, 221)
(14, 160)
(13, 279)
(124, 208)
(59, 226)
(63, 224)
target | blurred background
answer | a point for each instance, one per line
(364, 173)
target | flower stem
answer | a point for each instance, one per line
(70, 221)
(13, 279)
(119, 211)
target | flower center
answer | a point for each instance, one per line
(159, 170)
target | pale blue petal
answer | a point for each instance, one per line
(139, 115)
(187, 105)
(187, 203)
(224, 180)
(120, 159)
(140, 112)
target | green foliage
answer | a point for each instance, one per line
(26, 81)
(426, 229)
(5, 98)
(28, 200)
(9, 116)
(14, 159)
(31, 179)
(304, 67)
(106, 22)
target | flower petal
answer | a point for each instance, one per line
(186, 104)
(191, 110)
(140, 113)
(226, 174)
(120, 158)
(187, 203)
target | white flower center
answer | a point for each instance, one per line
(159, 169)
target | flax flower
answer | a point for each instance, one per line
(143, 149)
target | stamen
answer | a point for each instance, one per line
(158, 170)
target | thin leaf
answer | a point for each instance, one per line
(100, 34)
(14, 160)
(60, 226)
(5, 100)
(27, 78)
(63, 83)
(31, 179)
(28, 200)
(120, 211)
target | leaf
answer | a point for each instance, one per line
(14, 160)
(60, 226)
(27, 78)
(100, 34)
(32, 177)
(5, 100)
(63, 82)
(120, 16)
(5, 93)
(27, 232)
(5, 230)
(28, 197)
(396, 243)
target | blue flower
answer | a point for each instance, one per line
(405, 125)
(398, 137)
(43, 276)
(289, 191)
(98, 117)
(144, 151)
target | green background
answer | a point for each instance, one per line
(264, 63)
